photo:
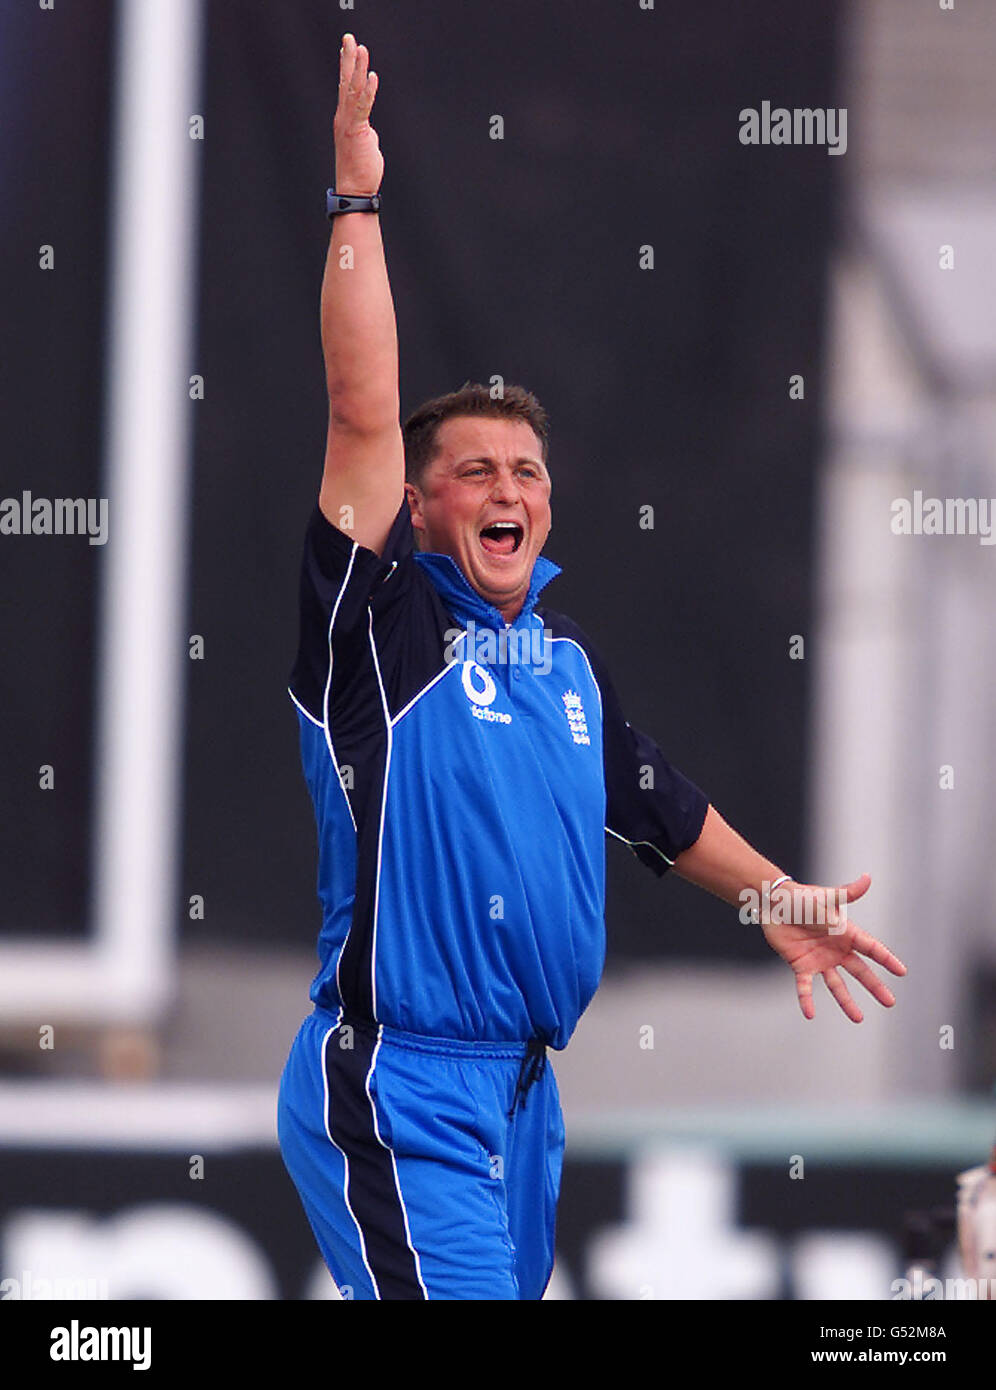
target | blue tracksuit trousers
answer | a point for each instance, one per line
(428, 1168)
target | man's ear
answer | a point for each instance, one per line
(414, 497)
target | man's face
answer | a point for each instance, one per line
(486, 471)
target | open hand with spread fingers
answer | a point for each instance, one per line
(809, 928)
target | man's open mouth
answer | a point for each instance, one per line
(502, 537)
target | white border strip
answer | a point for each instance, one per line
(388, 729)
(345, 1179)
(317, 722)
(449, 666)
(171, 1117)
(189, 1117)
(634, 843)
(394, 1164)
(328, 688)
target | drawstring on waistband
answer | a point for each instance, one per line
(530, 1071)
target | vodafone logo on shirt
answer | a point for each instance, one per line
(480, 689)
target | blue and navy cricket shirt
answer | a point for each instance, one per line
(464, 774)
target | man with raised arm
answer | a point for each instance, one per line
(466, 754)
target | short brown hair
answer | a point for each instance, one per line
(422, 426)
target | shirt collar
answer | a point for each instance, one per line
(464, 602)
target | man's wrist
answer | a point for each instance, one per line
(779, 898)
(344, 204)
(768, 901)
(354, 188)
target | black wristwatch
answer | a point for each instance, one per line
(343, 202)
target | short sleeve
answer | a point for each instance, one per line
(651, 806)
(339, 579)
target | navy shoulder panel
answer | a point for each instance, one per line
(650, 805)
(364, 616)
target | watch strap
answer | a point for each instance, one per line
(349, 202)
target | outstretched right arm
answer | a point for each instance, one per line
(363, 481)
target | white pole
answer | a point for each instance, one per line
(151, 317)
